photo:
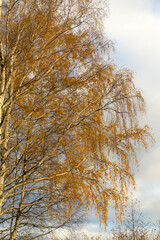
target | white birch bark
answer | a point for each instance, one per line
(2, 82)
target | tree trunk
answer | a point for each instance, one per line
(2, 82)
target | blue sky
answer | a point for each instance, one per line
(134, 27)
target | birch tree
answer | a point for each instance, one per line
(69, 125)
(135, 226)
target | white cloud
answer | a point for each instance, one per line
(135, 28)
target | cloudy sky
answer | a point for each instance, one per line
(134, 27)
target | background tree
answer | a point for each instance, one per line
(134, 226)
(68, 116)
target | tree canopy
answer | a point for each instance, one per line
(69, 127)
